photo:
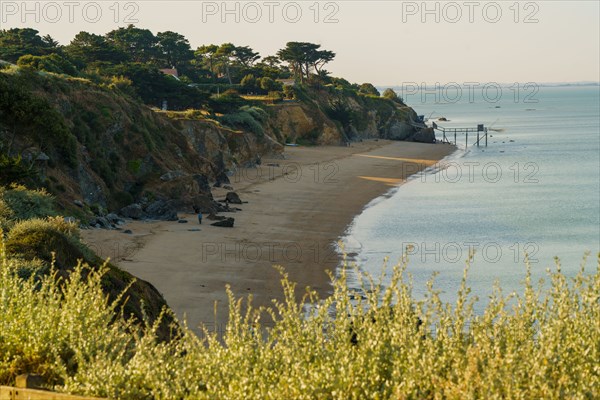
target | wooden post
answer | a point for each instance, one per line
(486, 133)
(477, 138)
(467, 139)
(455, 137)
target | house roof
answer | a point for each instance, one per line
(170, 71)
(287, 82)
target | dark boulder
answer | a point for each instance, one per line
(163, 210)
(114, 219)
(226, 223)
(133, 211)
(103, 222)
(400, 131)
(426, 135)
(233, 198)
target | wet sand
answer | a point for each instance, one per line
(296, 210)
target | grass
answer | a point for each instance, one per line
(542, 343)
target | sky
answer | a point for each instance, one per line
(390, 43)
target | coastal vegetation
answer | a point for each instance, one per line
(45, 245)
(378, 342)
(142, 120)
(85, 121)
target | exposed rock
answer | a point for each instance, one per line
(222, 179)
(133, 211)
(233, 198)
(400, 131)
(214, 217)
(443, 119)
(163, 210)
(127, 231)
(183, 221)
(426, 135)
(42, 157)
(203, 185)
(78, 203)
(102, 222)
(226, 223)
(114, 219)
(70, 220)
(171, 175)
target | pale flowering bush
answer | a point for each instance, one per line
(381, 344)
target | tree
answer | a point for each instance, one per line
(305, 57)
(245, 56)
(249, 82)
(140, 44)
(207, 57)
(174, 49)
(289, 92)
(271, 61)
(17, 42)
(368, 89)
(270, 85)
(225, 55)
(86, 48)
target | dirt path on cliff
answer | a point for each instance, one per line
(296, 210)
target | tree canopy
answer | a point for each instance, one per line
(304, 57)
(18, 42)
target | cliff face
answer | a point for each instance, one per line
(95, 145)
(329, 116)
(107, 150)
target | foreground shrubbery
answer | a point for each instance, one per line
(40, 242)
(540, 344)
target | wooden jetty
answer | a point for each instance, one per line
(481, 131)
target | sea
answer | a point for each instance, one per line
(533, 193)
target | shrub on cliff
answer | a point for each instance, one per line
(21, 203)
(23, 113)
(39, 240)
(247, 118)
(48, 239)
(227, 102)
(49, 63)
(15, 170)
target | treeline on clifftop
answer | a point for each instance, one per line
(132, 58)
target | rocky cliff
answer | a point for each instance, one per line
(330, 116)
(96, 147)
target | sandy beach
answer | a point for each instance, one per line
(296, 210)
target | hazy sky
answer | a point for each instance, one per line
(383, 42)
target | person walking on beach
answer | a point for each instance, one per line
(197, 211)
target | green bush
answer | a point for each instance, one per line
(50, 63)
(47, 240)
(227, 102)
(23, 203)
(31, 115)
(14, 170)
(378, 342)
(248, 119)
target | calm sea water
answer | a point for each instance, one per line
(535, 189)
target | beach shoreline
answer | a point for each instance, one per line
(295, 210)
